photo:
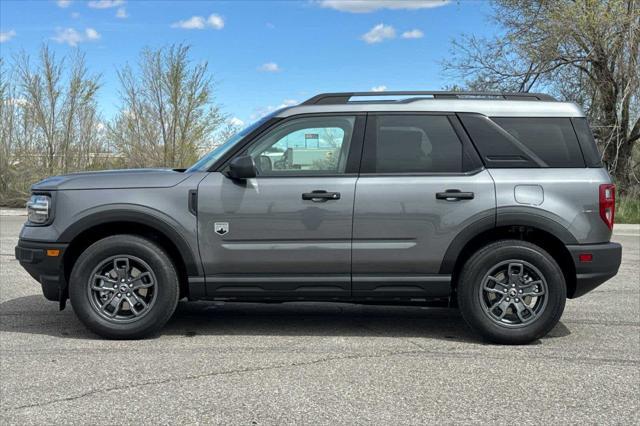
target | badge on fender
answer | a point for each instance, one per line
(221, 228)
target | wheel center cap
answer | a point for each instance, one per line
(123, 288)
(513, 292)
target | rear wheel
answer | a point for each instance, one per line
(511, 292)
(124, 287)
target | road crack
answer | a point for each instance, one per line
(205, 375)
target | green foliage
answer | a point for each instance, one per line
(580, 51)
(628, 208)
(50, 123)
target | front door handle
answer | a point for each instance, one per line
(320, 196)
(454, 195)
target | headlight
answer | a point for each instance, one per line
(39, 209)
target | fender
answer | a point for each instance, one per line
(536, 218)
(139, 215)
(504, 217)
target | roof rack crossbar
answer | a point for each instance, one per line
(345, 97)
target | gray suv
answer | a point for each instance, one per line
(495, 203)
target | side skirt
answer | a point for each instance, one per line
(374, 289)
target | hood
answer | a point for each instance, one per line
(113, 179)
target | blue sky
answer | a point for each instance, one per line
(263, 54)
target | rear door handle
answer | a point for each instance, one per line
(320, 196)
(454, 195)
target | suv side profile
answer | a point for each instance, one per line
(497, 203)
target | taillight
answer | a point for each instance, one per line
(608, 203)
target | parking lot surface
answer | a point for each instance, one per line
(317, 363)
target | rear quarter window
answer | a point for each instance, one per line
(592, 156)
(552, 139)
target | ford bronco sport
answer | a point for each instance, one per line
(496, 203)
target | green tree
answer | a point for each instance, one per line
(49, 123)
(585, 51)
(167, 115)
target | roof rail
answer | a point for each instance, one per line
(344, 97)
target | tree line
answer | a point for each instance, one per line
(50, 122)
(585, 51)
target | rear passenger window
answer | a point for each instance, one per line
(411, 144)
(553, 140)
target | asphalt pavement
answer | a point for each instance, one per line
(317, 363)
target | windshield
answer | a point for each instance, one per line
(203, 164)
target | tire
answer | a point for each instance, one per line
(485, 288)
(145, 300)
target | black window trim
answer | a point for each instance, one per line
(531, 156)
(465, 141)
(352, 167)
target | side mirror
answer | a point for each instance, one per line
(242, 167)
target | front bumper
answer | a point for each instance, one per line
(604, 265)
(47, 270)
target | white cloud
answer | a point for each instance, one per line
(68, 36)
(215, 21)
(75, 15)
(91, 34)
(380, 88)
(261, 112)
(270, 25)
(416, 33)
(288, 103)
(269, 67)
(199, 23)
(193, 23)
(367, 6)
(72, 37)
(7, 35)
(105, 4)
(379, 33)
(121, 13)
(235, 121)
(63, 3)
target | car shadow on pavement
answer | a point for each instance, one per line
(34, 315)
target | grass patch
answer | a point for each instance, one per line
(628, 209)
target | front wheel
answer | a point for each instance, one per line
(124, 287)
(511, 292)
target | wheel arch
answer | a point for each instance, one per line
(542, 231)
(96, 226)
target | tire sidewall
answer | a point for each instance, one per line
(486, 259)
(166, 286)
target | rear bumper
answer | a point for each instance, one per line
(604, 265)
(47, 270)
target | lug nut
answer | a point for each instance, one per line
(119, 295)
(131, 285)
(517, 300)
(508, 299)
(128, 294)
(122, 280)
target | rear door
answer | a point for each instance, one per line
(287, 232)
(421, 184)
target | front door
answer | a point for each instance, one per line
(421, 183)
(287, 232)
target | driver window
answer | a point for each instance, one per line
(310, 145)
